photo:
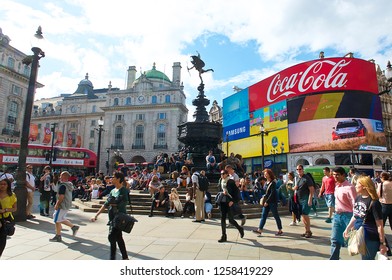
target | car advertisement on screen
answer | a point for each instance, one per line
(336, 121)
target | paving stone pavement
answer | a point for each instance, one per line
(161, 238)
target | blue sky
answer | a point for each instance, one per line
(244, 42)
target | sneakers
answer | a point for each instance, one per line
(328, 220)
(293, 224)
(279, 233)
(56, 238)
(75, 230)
(243, 221)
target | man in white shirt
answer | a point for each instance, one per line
(30, 186)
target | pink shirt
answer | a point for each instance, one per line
(345, 195)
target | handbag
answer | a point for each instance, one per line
(9, 226)
(263, 200)
(124, 222)
(356, 242)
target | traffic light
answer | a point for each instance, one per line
(55, 154)
(107, 164)
(384, 166)
(47, 156)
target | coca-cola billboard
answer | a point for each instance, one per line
(323, 75)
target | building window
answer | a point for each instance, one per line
(93, 122)
(118, 136)
(16, 90)
(161, 116)
(71, 125)
(73, 135)
(11, 63)
(115, 102)
(139, 136)
(119, 117)
(128, 101)
(167, 99)
(140, 117)
(26, 70)
(12, 115)
(92, 133)
(91, 146)
(161, 135)
(154, 99)
(94, 109)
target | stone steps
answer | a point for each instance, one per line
(141, 203)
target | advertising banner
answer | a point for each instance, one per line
(47, 136)
(78, 141)
(323, 75)
(59, 139)
(33, 133)
(69, 140)
(276, 142)
(236, 131)
(236, 108)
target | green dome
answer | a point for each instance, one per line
(155, 74)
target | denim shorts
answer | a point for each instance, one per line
(305, 208)
(330, 200)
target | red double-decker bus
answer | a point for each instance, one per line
(63, 158)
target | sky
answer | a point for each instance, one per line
(243, 41)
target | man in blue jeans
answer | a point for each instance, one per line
(344, 204)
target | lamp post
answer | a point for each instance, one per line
(100, 129)
(107, 162)
(20, 189)
(227, 143)
(53, 128)
(263, 133)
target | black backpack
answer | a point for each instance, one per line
(203, 183)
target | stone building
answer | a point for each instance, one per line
(14, 81)
(139, 122)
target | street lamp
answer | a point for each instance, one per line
(107, 162)
(227, 143)
(99, 129)
(263, 133)
(20, 189)
(388, 76)
(53, 128)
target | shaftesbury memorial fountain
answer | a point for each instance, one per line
(201, 135)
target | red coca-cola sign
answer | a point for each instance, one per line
(323, 75)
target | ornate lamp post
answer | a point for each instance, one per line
(263, 133)
(99, 129)
(107, 162)
(53, 128)
(388, 74)
(20, 189)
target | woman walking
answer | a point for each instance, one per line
(367, 213)
(270, 204)
(294, 207)
(116, 202)
(230, 196)
(7, 207)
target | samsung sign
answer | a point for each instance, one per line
(236, 131)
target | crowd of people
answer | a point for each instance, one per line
(353, 200)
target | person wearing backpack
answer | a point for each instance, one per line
(198, 195)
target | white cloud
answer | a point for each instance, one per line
(103, 38)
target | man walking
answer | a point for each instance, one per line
(199, 197)
(344, 203)
(236, 179)
(62, 206)
(30, 186)
(304, 187)
(328, 189)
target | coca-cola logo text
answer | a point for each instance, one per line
(314, 77)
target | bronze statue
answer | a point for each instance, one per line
(198, 64)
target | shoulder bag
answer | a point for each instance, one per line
(124, 222)
(356, 239)
(264, 198)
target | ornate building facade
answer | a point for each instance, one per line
(139, 122)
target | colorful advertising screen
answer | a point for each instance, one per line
(336, 121)
(316, 76)
(236, 108)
